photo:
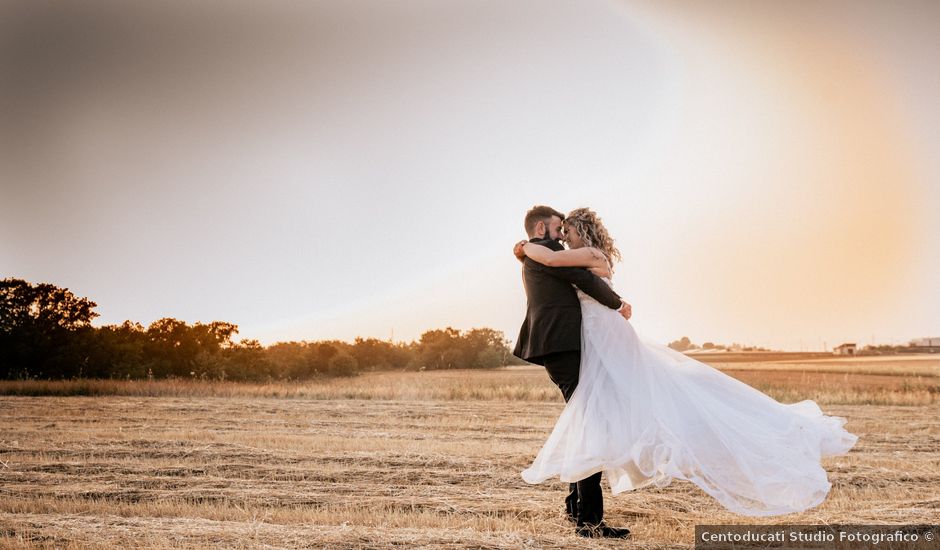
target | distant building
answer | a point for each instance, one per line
(924, 345)
(845, 349)
(926, 342)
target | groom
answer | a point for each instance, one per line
(551, 336)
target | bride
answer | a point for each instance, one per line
(645, 414)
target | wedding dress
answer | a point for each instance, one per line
(645, 414)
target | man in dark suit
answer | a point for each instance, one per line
(551, 336)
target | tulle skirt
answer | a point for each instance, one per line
(645, 414)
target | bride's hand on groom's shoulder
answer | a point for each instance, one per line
(517, 250)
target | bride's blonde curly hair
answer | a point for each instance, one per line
(592, 231)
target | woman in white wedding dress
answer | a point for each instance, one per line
(645, 414)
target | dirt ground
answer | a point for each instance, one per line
(88, 472)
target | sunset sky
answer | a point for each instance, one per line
(770, 171)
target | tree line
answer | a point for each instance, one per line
(46, 333)
(685, 344)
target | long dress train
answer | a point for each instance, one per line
(645, 414)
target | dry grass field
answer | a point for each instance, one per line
(426, 459)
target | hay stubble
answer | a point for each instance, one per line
(443, 472)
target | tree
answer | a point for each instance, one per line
(440, 349)
(487, 348)
(342, 364)
(46, 306)
(38, 328)
(247, 361)
(117, 351)
(45, 331)
(683, 344)
(170, 352)
(374, 354)
(290, 360)
(178, 349)
(451, 349)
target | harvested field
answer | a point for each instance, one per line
(896, 382)
(191, 471)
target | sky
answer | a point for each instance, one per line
(320, 170)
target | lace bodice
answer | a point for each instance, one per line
(584, 297)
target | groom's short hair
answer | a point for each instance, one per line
(538, 214)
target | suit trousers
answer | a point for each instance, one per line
(585, 501)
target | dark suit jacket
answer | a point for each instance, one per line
(553, 312)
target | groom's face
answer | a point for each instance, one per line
(554, 228)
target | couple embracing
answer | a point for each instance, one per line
(643, 413)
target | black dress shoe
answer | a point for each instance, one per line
(602, 530)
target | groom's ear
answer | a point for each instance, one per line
(539, 229)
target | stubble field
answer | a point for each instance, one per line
(427, 459)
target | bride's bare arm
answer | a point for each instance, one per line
(576, 257)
